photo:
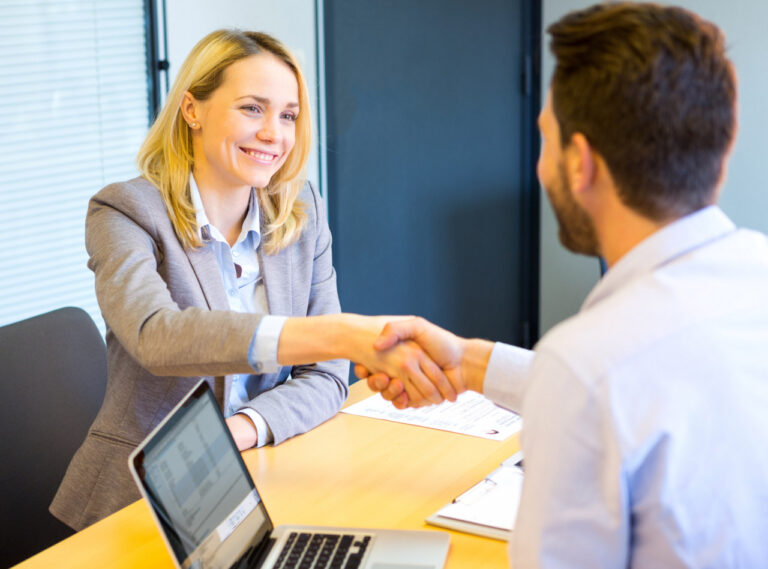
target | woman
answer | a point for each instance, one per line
(195, 260)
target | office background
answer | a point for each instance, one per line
(563, 279)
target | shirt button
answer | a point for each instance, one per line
(235, 253)
(232, 292)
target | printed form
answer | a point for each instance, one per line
(471, 414)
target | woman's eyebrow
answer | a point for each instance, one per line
(266, 101)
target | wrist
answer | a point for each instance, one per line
(345, 336)
(474, 362)
(310, 339)
(246, 435)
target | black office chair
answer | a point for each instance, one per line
(53, 373)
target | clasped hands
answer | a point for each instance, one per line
(415, 363)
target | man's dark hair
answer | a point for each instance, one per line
(654, 93)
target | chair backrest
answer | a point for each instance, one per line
(53, 374)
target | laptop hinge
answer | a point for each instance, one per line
(256, 555)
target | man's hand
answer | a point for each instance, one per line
(419, 377)
(445, 349)
(391, 389)
(352, 336)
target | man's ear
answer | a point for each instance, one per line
(580, 164)
(189, 110)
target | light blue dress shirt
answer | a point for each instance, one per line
(645, 414)
(245, 293)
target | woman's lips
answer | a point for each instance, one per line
(259, 155)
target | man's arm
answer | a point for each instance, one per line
(574, 509)
(499, 371)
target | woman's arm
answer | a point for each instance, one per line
(318, 345)
(352, 336)
(149, 289)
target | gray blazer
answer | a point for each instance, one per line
(168, 323)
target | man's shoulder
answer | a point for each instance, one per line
(597, 338)
(691, 294)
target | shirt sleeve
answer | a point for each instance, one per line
(574, 508)
(507, 375)
(262, 353)
(263, 432)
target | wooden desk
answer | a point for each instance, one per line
(350, 471)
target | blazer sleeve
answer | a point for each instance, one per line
(315, 392)
(137, 261)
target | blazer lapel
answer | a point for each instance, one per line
(276, 272)
(206, 269)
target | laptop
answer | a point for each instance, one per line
(211, 515)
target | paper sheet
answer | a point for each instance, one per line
(471, 414)
(492, 502)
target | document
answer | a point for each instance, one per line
(471, 414)
(489, 508)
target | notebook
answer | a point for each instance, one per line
(210, 514)
(489, 508)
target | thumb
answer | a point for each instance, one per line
(395, 332)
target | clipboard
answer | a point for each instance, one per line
(488, 508)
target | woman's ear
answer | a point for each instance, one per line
(189, 110)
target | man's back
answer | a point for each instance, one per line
(656, 393)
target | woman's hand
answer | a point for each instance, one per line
(421, 378)
(243, 431)
(352, 337)
(462, 361)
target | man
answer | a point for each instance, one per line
(645, 422)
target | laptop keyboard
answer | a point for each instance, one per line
(323, 551)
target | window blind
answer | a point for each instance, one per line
(73, 112)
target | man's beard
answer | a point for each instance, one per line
(576, 230)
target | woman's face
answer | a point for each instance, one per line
(243, 133)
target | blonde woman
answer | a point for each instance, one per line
(198, 263)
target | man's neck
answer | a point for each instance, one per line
(619, 229)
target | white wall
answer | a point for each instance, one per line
(566, 278)
(290, 21)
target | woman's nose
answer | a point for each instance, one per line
(268, 130)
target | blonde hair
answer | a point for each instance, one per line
(165, 158)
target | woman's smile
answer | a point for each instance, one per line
(259, 156)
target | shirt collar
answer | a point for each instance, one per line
(206, 231)
(663, 246)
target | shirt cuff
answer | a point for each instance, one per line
(262, 354)
(507, 374)
(263, 432)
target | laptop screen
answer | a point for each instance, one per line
(195, 480)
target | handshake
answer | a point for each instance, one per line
(414, 363)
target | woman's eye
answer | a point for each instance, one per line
(289, 116)
(251, 108)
